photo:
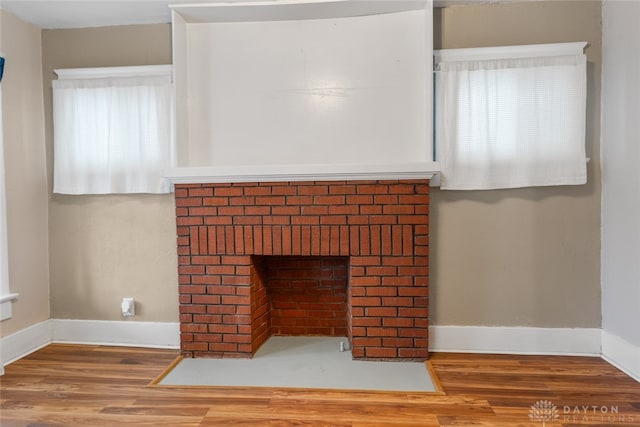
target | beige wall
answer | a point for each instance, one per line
(512, 257)
(527, 257)
(104, 248)
(25, 169)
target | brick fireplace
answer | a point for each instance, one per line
(340, 258)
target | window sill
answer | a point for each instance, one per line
(6, 302)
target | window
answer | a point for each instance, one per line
(113, 130)
(6, 297)
(511, 117)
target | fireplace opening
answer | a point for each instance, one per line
(307, 295)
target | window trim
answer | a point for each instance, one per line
(509, 52)
(6, 296)
(111, 72)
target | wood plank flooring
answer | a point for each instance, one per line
(72, 385)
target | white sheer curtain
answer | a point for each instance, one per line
(514, 122)
(113, 134)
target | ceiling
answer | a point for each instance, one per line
(99, 13)
(90, 13)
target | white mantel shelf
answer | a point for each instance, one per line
(281, 173)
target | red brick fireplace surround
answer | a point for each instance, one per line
(341, 258)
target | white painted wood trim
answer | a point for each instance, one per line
(515, 340)
(118, 333)
(24, 342)
(284, 10)
(6, 305)
(622, 354)
(106, 72)
(509, 52)
(280, 173)
(9, 297)
(96, 332)
(460, 339)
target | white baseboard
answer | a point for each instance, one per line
(621, 354)
(24, 342)
(96, 332)
(460, 339)
(119, 333)
(515, 340)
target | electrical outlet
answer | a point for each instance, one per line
(128, 307)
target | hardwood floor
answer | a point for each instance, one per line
(70, 385)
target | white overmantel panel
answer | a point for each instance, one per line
(303, 84)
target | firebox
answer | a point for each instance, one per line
(337, 258)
